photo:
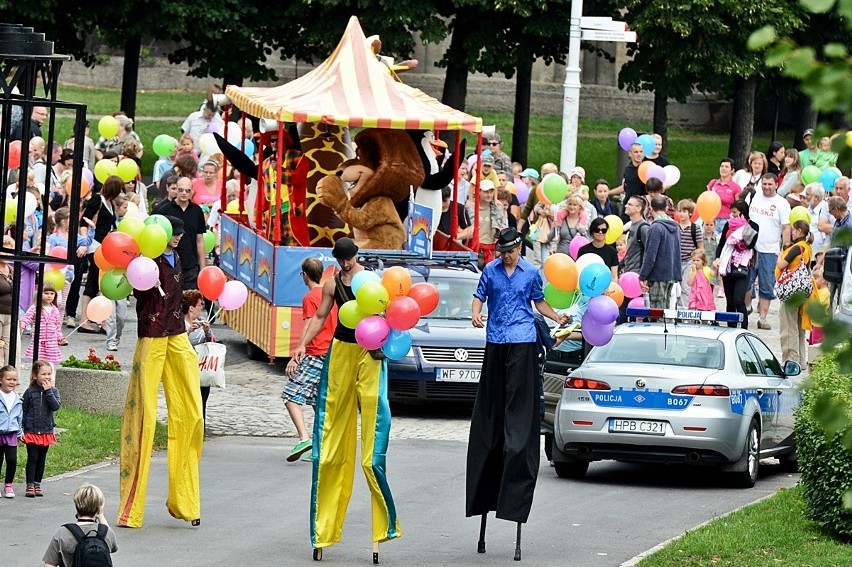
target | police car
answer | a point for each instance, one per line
(678, 391)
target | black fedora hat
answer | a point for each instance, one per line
(508, 239)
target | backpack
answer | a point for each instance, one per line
(92, 550)
(693, 231)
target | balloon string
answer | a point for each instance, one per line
(214, 316)
(160, 289)
(77, 328)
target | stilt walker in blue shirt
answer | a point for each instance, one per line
(503, 450)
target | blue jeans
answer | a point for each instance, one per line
(765, 275)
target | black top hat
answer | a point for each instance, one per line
(344, 249)
(508, 239)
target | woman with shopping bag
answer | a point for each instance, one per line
(211, 355)
(794, 286)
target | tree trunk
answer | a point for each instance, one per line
(807, 119)
(661, 119)
(458, 68)
(521, 124)
(742, 120)
(130, 74)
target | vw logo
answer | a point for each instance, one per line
(640, 383)
(460, 354)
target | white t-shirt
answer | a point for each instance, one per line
(770, 214)
(820, 238)
(8, 399)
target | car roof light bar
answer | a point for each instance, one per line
(685, 315)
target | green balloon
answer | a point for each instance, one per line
(557, 298)
(153, 240)
(114, 284)
(209, 241)
(800, 213)
(350, 314)
(164, 145)
(163, 223)
(811, 174)
(555, 187)
(372, 297)
(132, 226)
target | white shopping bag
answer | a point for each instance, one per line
(211, 364)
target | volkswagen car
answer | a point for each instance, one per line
(678, 392)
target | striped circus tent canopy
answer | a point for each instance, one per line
(352, 88)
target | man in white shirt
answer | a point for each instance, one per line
(821, 221)
(841, 189)
(771, 212)
(198, 123)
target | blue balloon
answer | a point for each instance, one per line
(595, 279)
(397, 345)
(647, 142)
(827, 179)
(363, 277)
(249, 148)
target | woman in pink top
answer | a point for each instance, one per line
(727, 189)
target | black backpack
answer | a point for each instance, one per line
(92, 550)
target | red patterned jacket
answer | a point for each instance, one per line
(159, 313)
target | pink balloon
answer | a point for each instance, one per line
(143, 273)
(58, 252)
(402, 313)
(522, 191)
(576, 243)
(657, 172)
(372, 332)
(233, 296)
(637, 303)
(89, 176)
(99, 309)
(629, 282)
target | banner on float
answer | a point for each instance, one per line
(420, 230)
(246, 243)
(288, 288)
(228, 235)
(264, 256)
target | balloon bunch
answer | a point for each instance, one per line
(213, 285)
(668, 175)
(401, 301)
(589, 277)
(126, 169)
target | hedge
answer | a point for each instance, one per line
(824, 459)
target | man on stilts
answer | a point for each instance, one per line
(503, 450)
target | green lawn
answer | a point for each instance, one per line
(771, 532)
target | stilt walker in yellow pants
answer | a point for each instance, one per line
(351, 380)
(163, 353)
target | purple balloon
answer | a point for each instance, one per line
(603, 309)
(576, 243)
(522, 192)
(626, 138)
(657, 172)
(372, 332)
(88, 176)
(594, 333)
(233, 296)
(629, 282)
(143, 273)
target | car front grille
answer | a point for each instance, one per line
(439, 355)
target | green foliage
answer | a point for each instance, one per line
(823, 432)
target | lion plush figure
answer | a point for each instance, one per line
(386, 166)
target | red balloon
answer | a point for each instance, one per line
(402, 313)
(211, 282)
(58, 252)
(120, 249)
(426, 296)
(14, 154)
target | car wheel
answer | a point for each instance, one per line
(788, 462)
(751, 458)
(254, 352)
(575, 469)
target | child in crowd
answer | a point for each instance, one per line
(711, 241)
(11, 422)
(691, 238)
(59, 239)
(602, 205)
(50, 329)
(621, 247)
(186, 147)
(700, 290)
(91, 522)
(114, 325)
(41, 401)
(824, 296)
(825, 158)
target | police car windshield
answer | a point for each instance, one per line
(456, 294)
(672, 350)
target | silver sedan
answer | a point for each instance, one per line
(678, 393)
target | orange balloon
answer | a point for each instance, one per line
(708, 204)
(397, 281)
(644, 167)
(615, 292)
(84, 187)
(542, 198)
(561, 271)
(101, 262)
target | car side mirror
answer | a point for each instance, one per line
(792, 368)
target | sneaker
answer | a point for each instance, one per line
(112, 345)
(300, 448)
(30, 491)
(37, 490)
(8, 491)
(762, 324)
(70, 322)
(308, 457)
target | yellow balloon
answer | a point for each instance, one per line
(800, 213)
(11, 210)
(56, 277)
(104, 169)
(615, 230)
(127, 170)
(233, 207)
(108, 127)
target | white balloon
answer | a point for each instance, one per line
(672, 175)
(234, 136)
(30, 204)
(587, 260)
(208, 145)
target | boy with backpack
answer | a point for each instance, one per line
(88, 542)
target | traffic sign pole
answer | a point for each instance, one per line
(571, 91)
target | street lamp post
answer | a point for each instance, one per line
(571, 91)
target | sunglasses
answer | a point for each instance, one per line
(493, 143)
(601, 230)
